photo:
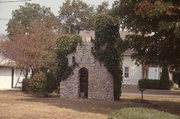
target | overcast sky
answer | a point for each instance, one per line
(7, 8)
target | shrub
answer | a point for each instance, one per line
(165, 73)
(166, 84)
(25, 85)
(142, 113)
(37, 83)
(51, 83)
(155, 84)
(176, 78)
(149, 84)
(143, 83)
(41, 84)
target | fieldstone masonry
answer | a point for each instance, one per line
(100, 81)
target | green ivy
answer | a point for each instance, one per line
(106, 42)
(66, 44)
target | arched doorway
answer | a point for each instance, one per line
(83, 77)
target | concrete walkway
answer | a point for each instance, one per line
(158, 95)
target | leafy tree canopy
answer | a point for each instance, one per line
(103, 8)
(156, 28)
(32, 38)
(30, 13)
(34, 50)
(76, 15)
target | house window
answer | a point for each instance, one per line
(153, 73)
(126, 72)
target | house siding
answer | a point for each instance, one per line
(5, 78)
(10, 78)
(135, 72)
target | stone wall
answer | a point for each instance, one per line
(100, 81)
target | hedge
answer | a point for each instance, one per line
(154, 84)
(176, 78)
(149, 84)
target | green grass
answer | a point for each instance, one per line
(142, 113)
(176, 88)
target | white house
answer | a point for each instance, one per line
(132, 72)
(10, 77)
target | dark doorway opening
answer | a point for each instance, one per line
(83, 75)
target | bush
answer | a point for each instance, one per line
(142, 113)
(37, 83)
(166, 84)
(176, 78)
(41, 84)
(25, 85)
(149, 84)
(51, 83)
(155, 84)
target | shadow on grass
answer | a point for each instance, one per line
(81, 105)
(97, 106)
(106, 107)
(172, 107)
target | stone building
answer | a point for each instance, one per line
(90, 79)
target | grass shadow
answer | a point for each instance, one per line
(98, 106)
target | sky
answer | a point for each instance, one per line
(7, 8)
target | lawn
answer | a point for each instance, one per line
(142, 113)
(18, 105)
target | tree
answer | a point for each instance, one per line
(103, 8)
(106, 39)
(32, 38)
(35, 50)
(156, 28)
(29, 13)
(76, 15)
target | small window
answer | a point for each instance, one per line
(73, 60)
(92, 39)
(92, 49)
(126, 72)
